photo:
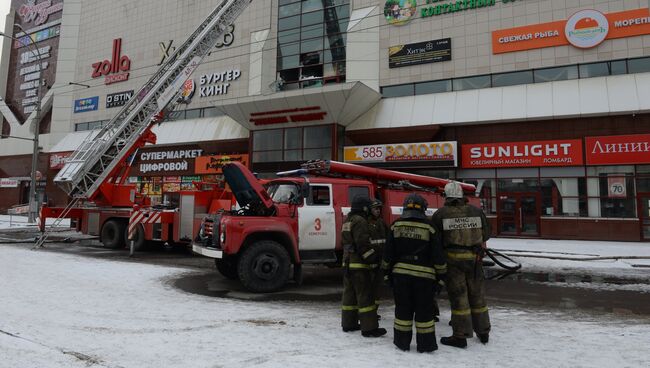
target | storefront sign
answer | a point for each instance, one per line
(165, 162)
(399, 12)
(522, 154)
(38, 13)
(113, 69)
(584, 29)
(42, 35)
(86, 104)
(216, 83)
(456, 6)
(443, 152)
(187, 91)
(616, 187)
(8, 183)
(118, 99)
(58, 160)
(214, 164)
(166, 48)
(618, 149)
(419, 53)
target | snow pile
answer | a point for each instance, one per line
(66, 311)
(17, 221)
(578, 249)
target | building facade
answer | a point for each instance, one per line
(544, 105)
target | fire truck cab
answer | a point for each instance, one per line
(293, 220)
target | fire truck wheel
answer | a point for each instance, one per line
(112, 235)
(138, 238)
(264, 267)
(227, 268)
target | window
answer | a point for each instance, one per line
(210, 112)
(311, 42)
(564, 196)
(433, 87)
(640, 65)
(92, 125)
(397, 91)
(511, 79)
(319, 196)
(594, 70)
(616, 67)
(481, 81)
(611, 191)
(293, 144)
(556, 74)
(283, 193)
(289, 10)
(518, 185)
(267, 145)
(193, 114)
(357, 191)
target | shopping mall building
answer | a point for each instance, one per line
(544, 105)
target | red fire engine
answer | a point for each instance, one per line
(297, 218)
(95, 174)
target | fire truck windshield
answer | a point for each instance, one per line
(283, 192)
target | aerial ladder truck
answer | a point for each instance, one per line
(95, 175)
(296, 219)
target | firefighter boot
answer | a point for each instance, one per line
(428, 349)
(377, 332)
(353, 328)
(484, 338)
(457, 342)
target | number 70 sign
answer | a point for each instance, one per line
(616, 187)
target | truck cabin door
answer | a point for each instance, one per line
(317, 223)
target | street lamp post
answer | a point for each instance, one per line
(33, 200)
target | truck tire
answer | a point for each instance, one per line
(264, 267)
(138, 238)
(112, 234)
(227, 268)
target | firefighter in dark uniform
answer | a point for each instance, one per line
(414, 262)
(464, 230)
(378, 234)
(360, 261)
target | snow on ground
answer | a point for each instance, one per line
(60, 310)
(17, 221)
(577, 249)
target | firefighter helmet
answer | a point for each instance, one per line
(376, 203)
(453, 190)
(414, 206)
(360, 203)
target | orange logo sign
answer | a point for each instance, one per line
(584, 29)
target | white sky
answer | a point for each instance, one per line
(4, 10)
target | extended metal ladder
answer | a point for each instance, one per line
(96, 159)
(41, 240)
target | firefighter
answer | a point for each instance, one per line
(360, 259)
(413, 263)
(464, 231)
(378, 234)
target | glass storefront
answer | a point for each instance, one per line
(293, 144)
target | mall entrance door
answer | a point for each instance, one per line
(518, 214)
(644, 215)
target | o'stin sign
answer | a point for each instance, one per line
(586, 28)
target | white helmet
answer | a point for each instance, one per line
(453, 190)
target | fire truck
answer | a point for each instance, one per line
(296, 219)
(95, 175)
